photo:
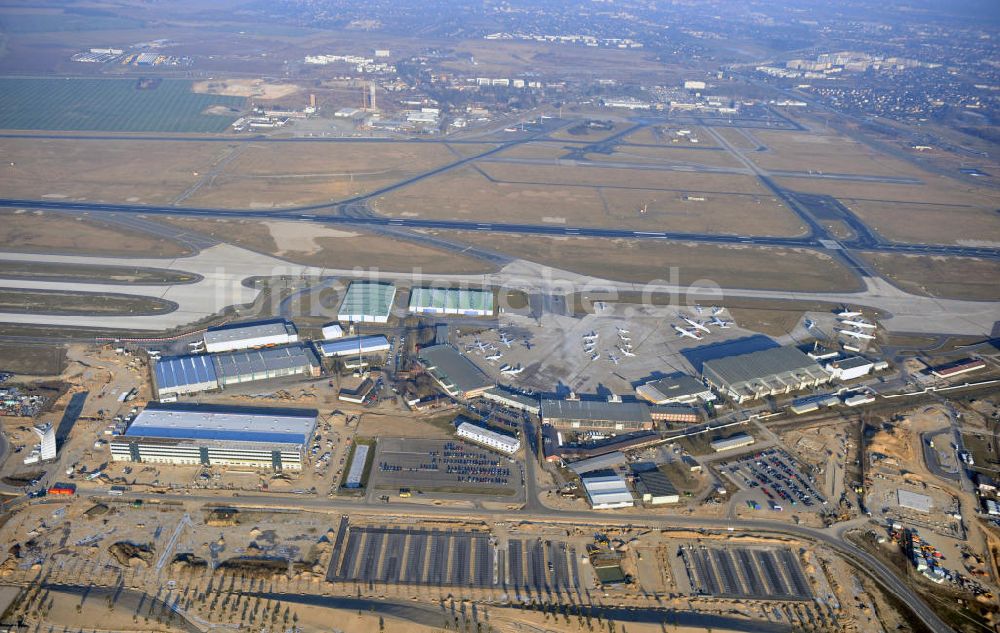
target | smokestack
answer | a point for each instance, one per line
(371, 88)
(312, 100)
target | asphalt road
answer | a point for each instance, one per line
(830, 538)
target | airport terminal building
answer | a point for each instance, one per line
(597, 415)
(206, 435)
(768, 372)
(458, 376)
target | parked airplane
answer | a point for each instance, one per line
(622, 330)
(861, 324)
(506, 341)
(697, 308)
(716, 310)
(860, 335)
(722, 324)
(527, 344)
(612, 358)
(494, 357)
(512, 371)
(688, 333)
(810, 324)
(626, 352)
(592, 335)
(847, 314)
(695, 324)
(595, 356)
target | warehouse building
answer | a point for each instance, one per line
(654, 488)
(248, 335)
(730, 443)
(608, 461)
(596, 415)
(367, 302)
(204, 435)
(357, 469)
(332, 331)
(458, 301)
(849, 368)
(607, 492)
(489, 438)
(679, 389)
(354, 346)
(768, 372)
(236, 368)
(674, 413)
(512, 400)
(458, 376)
(179, 375)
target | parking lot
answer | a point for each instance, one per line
(444, 466)
(741, 572)
(776, 478)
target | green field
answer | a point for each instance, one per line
(111, 105)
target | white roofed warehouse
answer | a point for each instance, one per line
(768, 372)
(354, 346)
(596, 415)
(457, 301)
(207, 435)
(458, 376)
(679, 389)
(248, 335)
(367, 302)
(607, 492)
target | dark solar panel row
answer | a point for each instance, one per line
(727, 573)
(438, 569)
(754, 583)
(575, 564)
(415, 556)
(484, 562)
(800, 585)
(370, 556)
(460, 546)
(705, 573)
(338, 545)
(516, 563)
(392, 563)
(536, 566)
(350, 556)
(771, 574)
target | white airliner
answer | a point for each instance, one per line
(626, 352)
(716, 310)
(697, 308)
(592, 336)
(612, 358)
(506, 341)
(512, 371)
(720, 323)
(595, 357)
(861, 324)
(622, 330)
(860, 335)
(810, 324)
(494, 357)
(688, 333)
(695, 324)
(847, 314)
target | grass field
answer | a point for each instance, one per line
(317, 246)
(815, 151)
(599, 200)
(105, 169)
(32, 360)
(669, 155)
(644, 261)
(55, 302)
(80, 272)
(924, 223)
(263, 175)
(942, 277)
(51, 232)
(113, 105)
(667, 135)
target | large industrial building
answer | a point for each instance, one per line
(236, 368)
(458, 376)
(460, 301)
(367, 302)
(178, 375)
(679, 389)
(248, 335)
(205, 435)
(489, 438)
(596, 415)
(354, 346)
(607, 492)
(768, 372)
(655, 488)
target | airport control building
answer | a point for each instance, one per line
(458, 376)
(248, 335)
(367, 302)
(206, 435)
(457, 301)
(768, 372)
